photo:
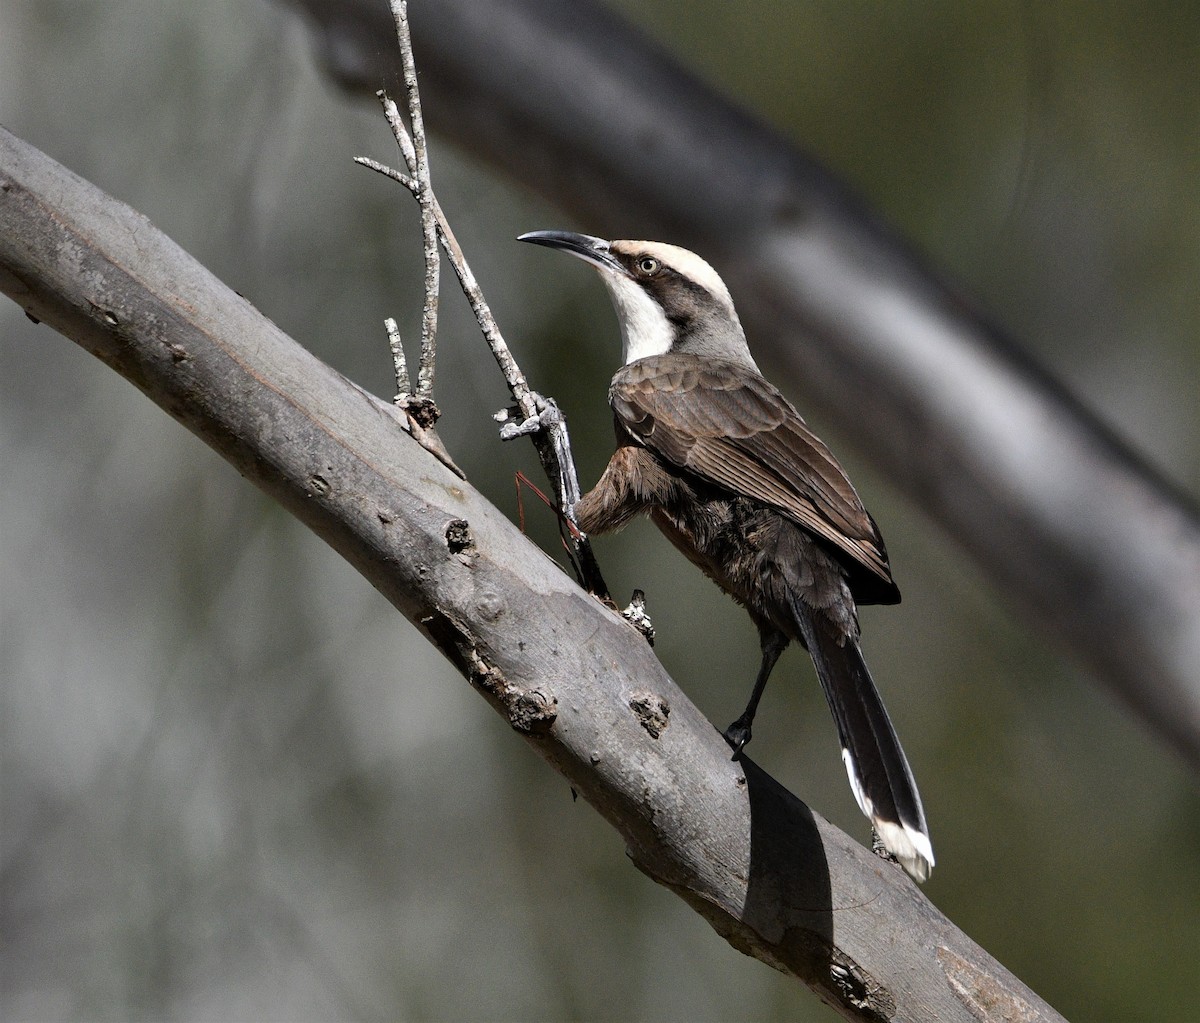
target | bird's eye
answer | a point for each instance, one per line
(647, 266)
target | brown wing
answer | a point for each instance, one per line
(725, 423)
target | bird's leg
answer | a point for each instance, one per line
(738, 734)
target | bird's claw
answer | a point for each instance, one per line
(879, 849)
(737, 735)
(546, 415)
(635, 614)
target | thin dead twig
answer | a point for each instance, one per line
(540, 417)
(403, 384)
(418, 164)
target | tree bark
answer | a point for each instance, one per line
(1082, 537)
(580, 685)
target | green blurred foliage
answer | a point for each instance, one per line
(236, 785)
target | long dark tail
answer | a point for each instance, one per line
(879, 773)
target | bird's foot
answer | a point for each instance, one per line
(737, 735)
(512, 426)
(879, 849)
(635, 614)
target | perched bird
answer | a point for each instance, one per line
(725, 466)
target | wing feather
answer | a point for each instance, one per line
(746, 437)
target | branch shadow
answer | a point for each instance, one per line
(788, 894)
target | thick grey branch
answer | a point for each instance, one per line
(1083, 538)
(576, 682)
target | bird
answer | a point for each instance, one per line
(730, 473)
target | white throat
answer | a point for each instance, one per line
(645, 330)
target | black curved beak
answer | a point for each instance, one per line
(594, 250)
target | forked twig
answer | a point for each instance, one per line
(540, 418)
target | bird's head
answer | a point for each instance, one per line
(667, 298)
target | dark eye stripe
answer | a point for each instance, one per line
(673, 280)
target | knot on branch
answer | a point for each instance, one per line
(423, 410)
(862, 993)
(651, 711)
(460, 542)
(528, 710)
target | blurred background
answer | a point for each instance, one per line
(237, 785)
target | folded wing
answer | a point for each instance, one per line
(726, 424)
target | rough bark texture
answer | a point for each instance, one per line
(1085, 540)
(580, 685)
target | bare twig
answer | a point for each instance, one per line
(419, 166)
(416, 415)
(524, 396)
(418, 405)
(383, 168)
(403, 384)
(540, 417)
